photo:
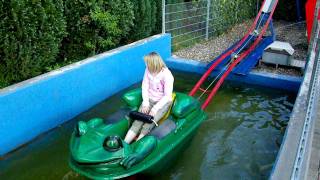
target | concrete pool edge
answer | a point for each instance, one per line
(285, 160)
(299, 155)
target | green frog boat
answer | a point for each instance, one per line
(98, 150)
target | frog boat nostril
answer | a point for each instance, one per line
(81, 128)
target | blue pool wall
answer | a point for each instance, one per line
(32, 107)
(277, 81)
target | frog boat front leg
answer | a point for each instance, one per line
(142, 149)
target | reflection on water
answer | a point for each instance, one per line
(239, 140)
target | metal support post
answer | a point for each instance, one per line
(299, 15)
(273, 32)
(265, 17)
(163, 16)
(257, 7)
(208, 19)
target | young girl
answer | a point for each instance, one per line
(157, 86)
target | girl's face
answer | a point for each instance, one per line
(154, 64)
(150, 70)
(150, 67)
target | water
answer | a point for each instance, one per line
(239, 140)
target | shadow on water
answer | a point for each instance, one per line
(239, 140)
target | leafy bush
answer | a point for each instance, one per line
(158, 26)
(225, 14)
(145, 12)
(31, 32)
(95, 26)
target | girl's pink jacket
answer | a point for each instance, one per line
(158, 88)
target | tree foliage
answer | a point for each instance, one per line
(41, 35)
(145, 12)
(95, 26)
(31, 32)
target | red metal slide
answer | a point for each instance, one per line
(236, 60)
(228, 53)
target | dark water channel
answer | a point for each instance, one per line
(239, 140)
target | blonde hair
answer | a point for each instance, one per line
(154, 62)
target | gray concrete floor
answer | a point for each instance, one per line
(314, 164)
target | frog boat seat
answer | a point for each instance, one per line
(182, 106)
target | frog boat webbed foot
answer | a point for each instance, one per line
(143, 148)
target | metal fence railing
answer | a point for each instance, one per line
(190, 22)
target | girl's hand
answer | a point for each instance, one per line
(152, 113)
(144, 109)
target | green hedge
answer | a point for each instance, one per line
(40, 35)
(145, 12)
(228, 13)
(31, 32)
(95, 26)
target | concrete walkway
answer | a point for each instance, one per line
(314, 164)
(299, 155)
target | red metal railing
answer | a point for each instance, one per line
(239, 59)
(219, 60)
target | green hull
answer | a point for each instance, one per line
(92, 161)
(172, 154)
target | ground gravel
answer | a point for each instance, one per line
(207, 50)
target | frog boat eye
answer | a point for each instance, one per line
(112, 143)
